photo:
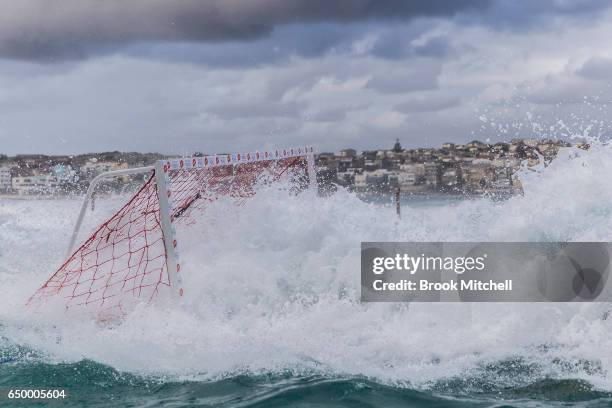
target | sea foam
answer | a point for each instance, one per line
(273, 285)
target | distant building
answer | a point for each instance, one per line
(406, 179)
(500, 148)
(449, 178)
(503, 178)
(377, 177)
(326, 155)
(432, 174)
(397, 147)
(93, 167)
(345, 162)
(530, 142)
(478, 174)
(475, 147)
(64, 173)
(360, 181)
(371, 161)
(345, 178)
(415, 171)
(35, 184)
(5, 179)
(348, 153)
(375, 181)
(327, 179)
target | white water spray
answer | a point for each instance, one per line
(274, 285)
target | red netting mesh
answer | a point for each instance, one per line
(191, 190)
(124, 260)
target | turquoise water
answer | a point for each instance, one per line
(271, 315)
(92, 384)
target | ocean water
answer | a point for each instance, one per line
(271, 315)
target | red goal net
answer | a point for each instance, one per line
(133, 256)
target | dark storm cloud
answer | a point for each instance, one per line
(51, 30)
(516, 15)
(54, 29)
(307, 41)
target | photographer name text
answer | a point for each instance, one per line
(413, 264)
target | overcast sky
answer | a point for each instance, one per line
(224, 75)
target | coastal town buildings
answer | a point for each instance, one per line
(472, 168)
(40, 174)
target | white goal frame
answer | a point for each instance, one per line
(162, 167)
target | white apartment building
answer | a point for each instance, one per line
(39, 184)
(417, 169)
(406, 179)
(361, 181)
(5, 179)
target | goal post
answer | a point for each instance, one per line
(311, 169)
(168, 231)
(134, 255)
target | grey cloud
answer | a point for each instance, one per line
(155, 103)
(596, 68)
(397, 43)
(56, 29)
(429, 103)
(435, 47)
(329, 115)
(568, 89)
(418, 76)
(259, 109)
